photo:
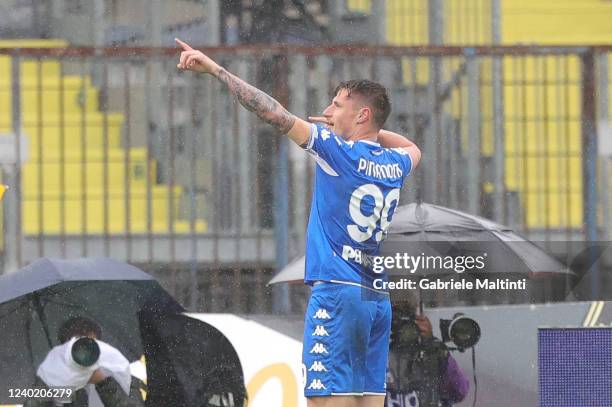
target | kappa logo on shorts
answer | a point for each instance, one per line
(317, 366)
(316, 384)
(321, 314)
(318, 348)
(320, 331)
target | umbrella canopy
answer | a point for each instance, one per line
(189, 363)
(428, 218)
(425, 229)
(421, 228)
(36, 300)
(292, 273)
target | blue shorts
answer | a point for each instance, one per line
(346, 341)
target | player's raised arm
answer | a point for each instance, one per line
(255, 100)
(390, 139)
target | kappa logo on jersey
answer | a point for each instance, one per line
(325, 134)
(317, 366)
(322, 314)
(318, 348)
(316, 384)
(320, 331)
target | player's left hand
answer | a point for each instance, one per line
(194, 60)
(424, 326)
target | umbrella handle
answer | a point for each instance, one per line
(420, 301)
(40, 310)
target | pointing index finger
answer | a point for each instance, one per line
(183, 45)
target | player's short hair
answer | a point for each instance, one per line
(375, 94)
(78, 326)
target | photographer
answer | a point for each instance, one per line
(108, 383)
(421, 371)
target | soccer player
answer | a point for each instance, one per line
(360, 170)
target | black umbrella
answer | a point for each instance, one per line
(36, 300)
(421, 229)
(189, 363)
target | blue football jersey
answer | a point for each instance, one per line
(357, 188)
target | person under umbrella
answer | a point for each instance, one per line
(38, 299)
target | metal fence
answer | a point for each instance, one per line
(130, 159)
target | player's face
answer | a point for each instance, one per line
(342, 114)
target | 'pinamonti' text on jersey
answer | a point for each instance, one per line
(357, 188)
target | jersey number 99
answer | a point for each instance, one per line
(382, 205)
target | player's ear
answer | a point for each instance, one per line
(363, 115)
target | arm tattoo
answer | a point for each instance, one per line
(258, 102)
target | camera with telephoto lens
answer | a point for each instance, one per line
(418, 363)
(464, 332)
(85, 352)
